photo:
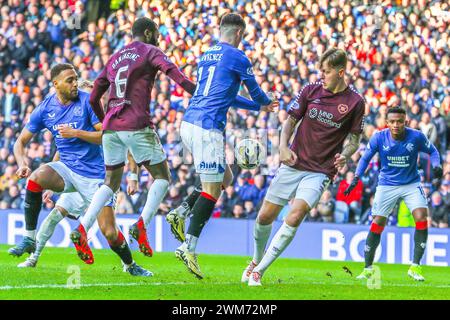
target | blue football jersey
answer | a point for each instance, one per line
(82, 157)
(398, 157)
(220, 72)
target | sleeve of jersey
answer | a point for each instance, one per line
(371, 149)
(245, 71)
(92, 116)
(101, 84)
(244, 103)
(297, 107)
(163, 63)
(358, 118)
(428, 147)
(35, 124)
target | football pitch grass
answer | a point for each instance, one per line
(290, 279)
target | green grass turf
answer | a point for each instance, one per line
(286, 279)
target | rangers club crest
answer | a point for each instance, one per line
(77, 111)
(342, 108)
(410, 147)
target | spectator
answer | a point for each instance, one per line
(428, 128)
(439, 212)
(325, 207)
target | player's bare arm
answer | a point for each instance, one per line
(287, 156)
(133, 175)
(340, 159)
(19, 153)
(94, 137)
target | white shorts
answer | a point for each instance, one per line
(77, 184)
(289, 183)
(387, 196)
(208, 150)
(74, 204)
(143, 144)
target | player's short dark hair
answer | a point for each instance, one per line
(396, 110)
(58, 68)
(142, 24)
(336, 58)
(232, 20)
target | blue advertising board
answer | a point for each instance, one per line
(325, 241)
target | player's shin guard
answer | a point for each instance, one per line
(372, 242)
(46, 230)
(279, 243)
(155, 196)
(33, 206)
(99, 200)
(201, 213)
(187, 205)
(420, 240)
(261, 234)
(121, 248)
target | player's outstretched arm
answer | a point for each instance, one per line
(94, 137)
(287, 156)
(19, 153)
(162, 62)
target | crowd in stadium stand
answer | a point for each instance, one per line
(398, 56)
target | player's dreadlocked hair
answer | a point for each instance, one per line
(336, 58)
(58, 68)
(142, 24)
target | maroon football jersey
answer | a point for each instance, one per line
(130, 74)
(326, 120)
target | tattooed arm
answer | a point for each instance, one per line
(340, 159)
(287, 156)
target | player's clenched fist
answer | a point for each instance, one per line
(23, 172)
(68, 132)
(287, 156)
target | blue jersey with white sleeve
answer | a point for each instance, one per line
(220, 72)
(82, 157)
(398, 157)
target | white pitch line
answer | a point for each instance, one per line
(64, 286)
(131, 284)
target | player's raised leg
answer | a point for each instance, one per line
(176, 217)
(147, 150)
(117, 242)
(43, 178)
(114, 154)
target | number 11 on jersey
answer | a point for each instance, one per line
(208, 81)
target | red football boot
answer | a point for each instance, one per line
(79, 239)
(139, 233)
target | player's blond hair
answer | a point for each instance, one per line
(336, 58)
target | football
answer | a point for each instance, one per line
(249, 153)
